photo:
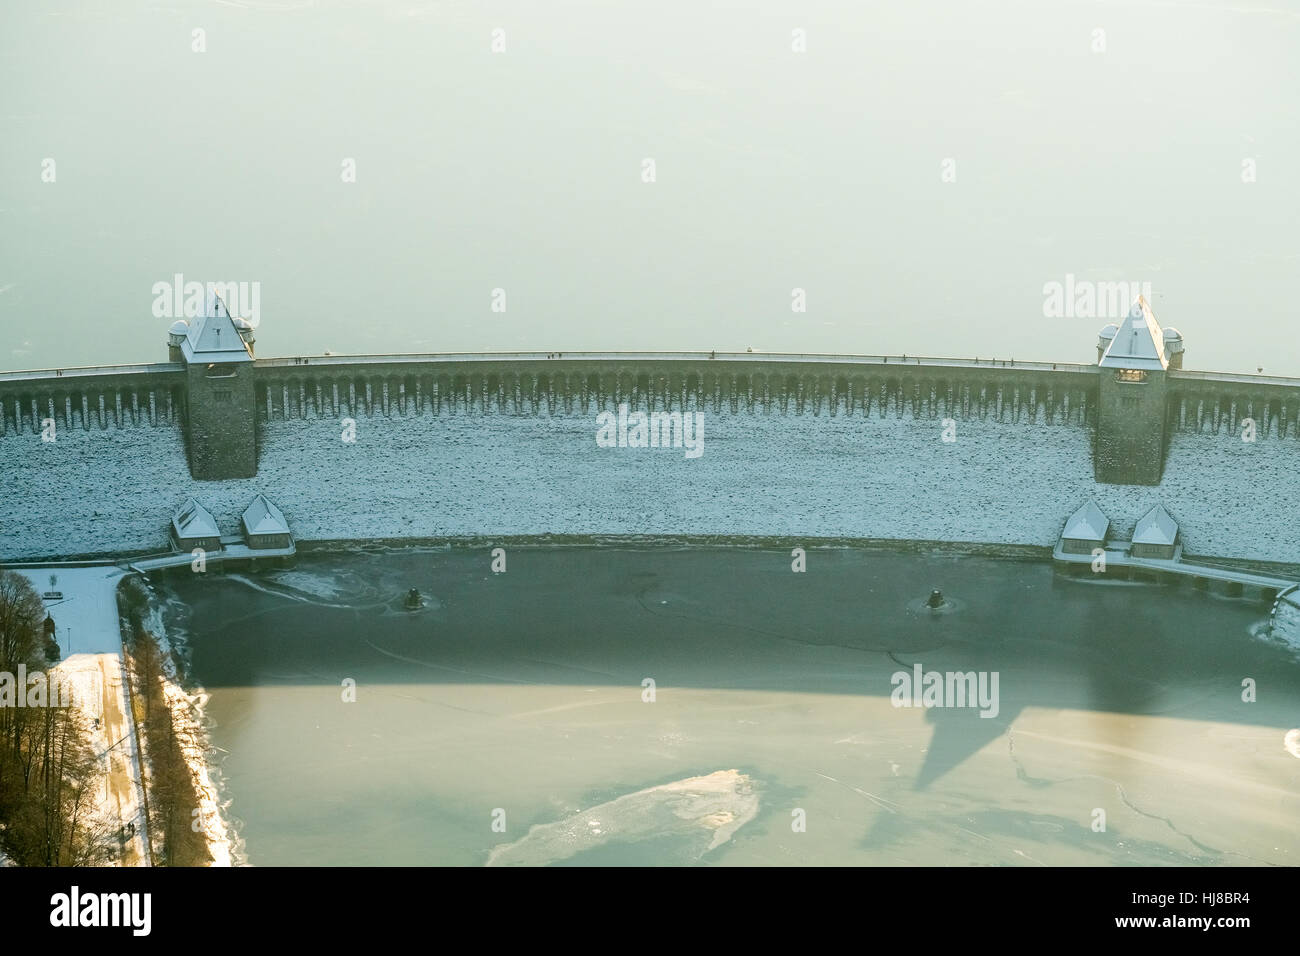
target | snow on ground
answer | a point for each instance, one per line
(89, 635)
(99, 691)
(85, 619)
(765, 475)
(90, 642)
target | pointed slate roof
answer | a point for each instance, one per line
(1156, 527)
(192, 520)
(1139, 343)
(262, 517)
(1089, 523)
(213, 336)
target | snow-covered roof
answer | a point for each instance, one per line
(262, 517)
(1139, 343)
(1156, 527)
(1089, 523)
(213, 336)
(192, 520)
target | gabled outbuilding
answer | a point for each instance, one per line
(264, 525)
(1085, 530)
(194, 527)
(1156, 535)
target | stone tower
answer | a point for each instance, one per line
(1131, 432)
(220, 430)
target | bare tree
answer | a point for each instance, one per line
(48, 770)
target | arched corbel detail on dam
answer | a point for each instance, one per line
(839, 387)
(547, 387)
(1215, 408)
(643, 391)
(663, 388)
(1272, 411)
(814, 389)
(395, 396)
(709, 389)
(852, 389)
(1201, 403)
(458, 388)
(353, 396)
(72, 406)
(493, 393)
(864, 388)
(590, 384)
(911, 397)
(742, 394)
(688, 386)
(789, 393)
(607, 383)
(903, 394)
(466, 392)
(1234, 407)
(759, 392)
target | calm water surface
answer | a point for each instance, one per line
(518, 698)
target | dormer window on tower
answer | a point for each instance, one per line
(1131, 375)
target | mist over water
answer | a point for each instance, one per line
(522, 171)
(525, 693)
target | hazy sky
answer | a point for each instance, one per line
(1113, 156)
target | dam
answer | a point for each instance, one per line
(429, 446)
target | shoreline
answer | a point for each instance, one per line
(987, 549)
(189, 730)
(191, 723)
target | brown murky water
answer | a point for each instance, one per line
(508, 720)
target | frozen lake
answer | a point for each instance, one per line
(517, 699)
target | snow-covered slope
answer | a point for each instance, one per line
(456, 474)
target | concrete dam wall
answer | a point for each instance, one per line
(335, 386)
(507, 446)
(346, 386)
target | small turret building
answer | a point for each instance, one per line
(220, 434)
(1132, 433)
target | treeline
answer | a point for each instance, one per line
(49, 773)
(174, 810)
